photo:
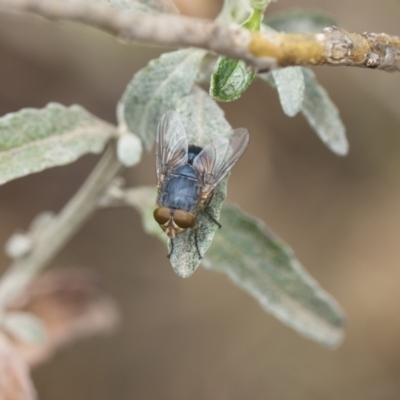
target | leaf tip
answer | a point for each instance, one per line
(340, 147)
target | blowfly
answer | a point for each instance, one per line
(187, 174)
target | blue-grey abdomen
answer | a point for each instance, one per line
(181, 189)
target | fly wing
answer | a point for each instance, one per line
(171, 146)
(215, 161)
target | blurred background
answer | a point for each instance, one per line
(202, 338)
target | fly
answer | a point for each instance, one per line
(187, 175)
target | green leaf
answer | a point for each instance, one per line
(155, 89)
(290, 85)
(323, 116)
(231, 78)
(24, 326)
(299, 21)
(265, 267)
(32, 140)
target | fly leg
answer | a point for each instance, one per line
(206, 205)
(196, 241)
(212, 218)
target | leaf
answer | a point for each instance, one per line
(15, 382)
(299, 21)
(129, 150)
(32, 140)
(203, 119)
(319, 110)
(143, 6)
(261, 264)
(235, 11)
(260, 4)
(155, 89)
(290, 85)
(231, 78)
(143, 199)
(71, 304)
(24, 326)
(265, 267)
(323, 116)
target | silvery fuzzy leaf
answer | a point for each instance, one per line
(290, 85)
(155, 89)
(264, 266)
(323, 116)
(32, 140)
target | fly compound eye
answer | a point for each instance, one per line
(162, 215)
(183, 219)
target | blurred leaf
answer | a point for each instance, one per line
(235, 11)
(143, 199)
(290, 85)
(265, 267)
(15, 382)
(143, 6)
(129, 149)
(32, 140)
(71, 304)
(24, 326)
(41, 222)
(299, 21)
(260, 4)
(18, 245)
(231, 78)
(155, 89)
(323, 116)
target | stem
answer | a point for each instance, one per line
(61, 229)
(333, 46)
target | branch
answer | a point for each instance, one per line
(59, 230)
(262, 50)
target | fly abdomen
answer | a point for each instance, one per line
(181, 189)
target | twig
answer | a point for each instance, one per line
(60, 229)
(263, 50)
